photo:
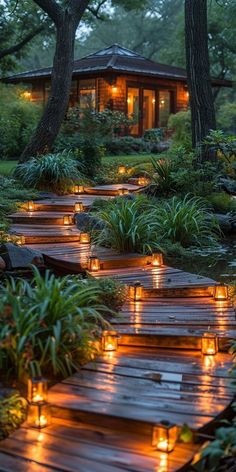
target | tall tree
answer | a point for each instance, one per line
(198, 75)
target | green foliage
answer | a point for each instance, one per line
(181, 124)
(187, 221)
(18, 120)
(225, 146)
(54, 172)
(113, 294)
(162, 180)
(128, 226)
(11, 193)
(47, 326)
(126, 145)
(226, 117)
(154, 135)
(13, 410)
(222, 202)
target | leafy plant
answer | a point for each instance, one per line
(154, 135)
(222, 202)
(47, 326)
(181, 124)
(13, 409)
(128, 226)
(162, 180)
(11, 193)
(113, 294)
(225, 146)
(54, 172)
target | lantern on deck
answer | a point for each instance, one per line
(20, 240)
(94, 263)
(31, 205)
(221, 292)
(209, 344)
(165, 436)
(79, 207)
(157, 259)
(85, 238)
(121, 170)
(136, 291)
(123, 191)
(67, 220)
(143, 181)
(37, 390)
(39, 415)
(109, 341)
(78, 189)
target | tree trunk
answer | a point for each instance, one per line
(198, 76)
(54, 112)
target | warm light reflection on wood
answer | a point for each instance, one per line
(163, 464)
(209, 362)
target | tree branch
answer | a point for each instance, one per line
(52, 8)
(21, 44)
(95, 11)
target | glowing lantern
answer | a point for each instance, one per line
(123, 191)
(30, 205)
(221, 292)
(67, 220)
(165, 436)
(37, 390)
(121, 170)
(20, 240)
(109, 341)
(39, 415)
(85, 238)
(143, 181)
(157, 259)
(136, 291)
(209, 344)
(79, 207)
(94, 263)
(27, 95)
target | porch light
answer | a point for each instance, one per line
(123, 191)
(209, 344)
(39, 415)
(136, 291)
(85, 238)
(31, 205)
(165, 436)
(109, 341)
(79, 207)
(37, 390)
(121, 170)
(157, 259)
(94, 263)
(221, 292)
(67, 220)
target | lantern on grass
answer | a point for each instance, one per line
(37, 390)
(221, 292)
(123, 191)
(209, 343)
(30, 205)
(164, 436)
(67, 220)
(136, 291)
(85, 238)
(109, 340)
(79, 207)
(94, 263)
(143, 181)
(157, 259)
(39, 415)
(121, 170)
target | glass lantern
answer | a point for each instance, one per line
(20, 240)
(37, 390)
(221, 292)
(209, 344)
(165, 436)
(109, 341)
(123, 191)
(85, 238)
(79, 207)
(121, 170)
(143, 181)
(31, 205)
(136, 291)
(67, 220)
(94, 263)
(39, 415)
(157, 259)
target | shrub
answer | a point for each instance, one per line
(113, 294)
(46, 326)
(126, 145)
(187, 221)
(18, 120)
(225, 146)
(13, 410)
(54, 172)
(162, 180)
(222, 202)
(128, 226)
(154, 135)
(181, 123)
(226, 117)
(11, 193)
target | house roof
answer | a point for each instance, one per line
(116, 59)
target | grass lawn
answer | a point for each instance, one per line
(7, 166)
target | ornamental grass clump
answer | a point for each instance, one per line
(53, 172)
(48, 326)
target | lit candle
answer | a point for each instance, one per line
(37, 390)
(85, 238)
(31, 205)
(79, 207)
(39, 415)
(157, 259)
(221, 292)
(94, 263)
(164, 436)
(109, 341)
(209, 344)
(41, 422)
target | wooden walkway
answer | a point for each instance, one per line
(103, 416)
